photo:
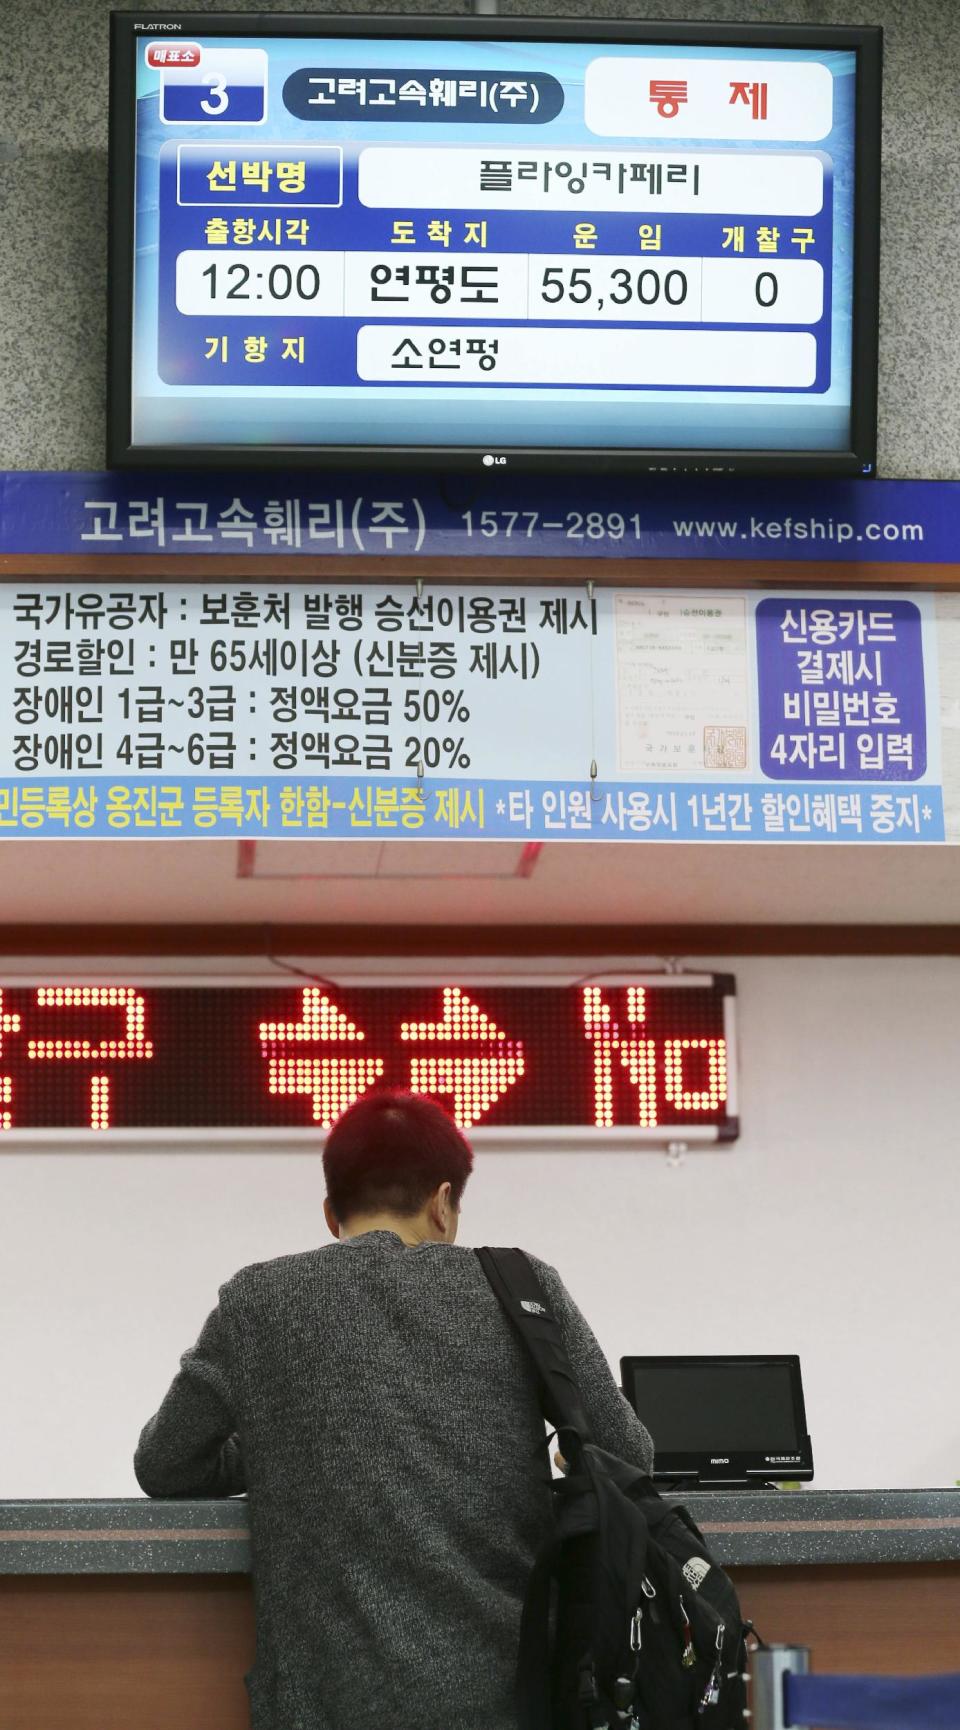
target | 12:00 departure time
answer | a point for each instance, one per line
(280, 281)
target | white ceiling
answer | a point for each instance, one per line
(449, 883)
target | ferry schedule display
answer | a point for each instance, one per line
(416, 247)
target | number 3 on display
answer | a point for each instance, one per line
(213, 83)
(217, 90)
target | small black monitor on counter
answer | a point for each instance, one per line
(722, 1420)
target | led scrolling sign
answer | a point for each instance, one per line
(647, 1057)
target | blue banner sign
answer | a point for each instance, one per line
(876, 522)
(377, 808)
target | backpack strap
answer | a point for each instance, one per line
(515, 1282)
(533, 1676)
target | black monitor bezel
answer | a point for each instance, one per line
(126, 28)
(741, 1467)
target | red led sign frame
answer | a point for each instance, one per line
(645, 1058)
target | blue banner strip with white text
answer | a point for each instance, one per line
(404, 516)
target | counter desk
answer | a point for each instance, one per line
(138, 1614)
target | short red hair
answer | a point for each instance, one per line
(389, 1152)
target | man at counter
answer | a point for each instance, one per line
(374, 1403)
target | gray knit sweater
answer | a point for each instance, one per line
(376, 1406)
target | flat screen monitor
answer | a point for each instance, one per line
(493, 244)
(722, 1420)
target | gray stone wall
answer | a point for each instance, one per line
(53, 204)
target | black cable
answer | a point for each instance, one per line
(288, 967)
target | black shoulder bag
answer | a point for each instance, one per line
(628, 1621)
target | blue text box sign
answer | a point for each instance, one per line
(841, 690)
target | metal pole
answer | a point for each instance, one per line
(771, 1664)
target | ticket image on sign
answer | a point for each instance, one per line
(433, 245)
